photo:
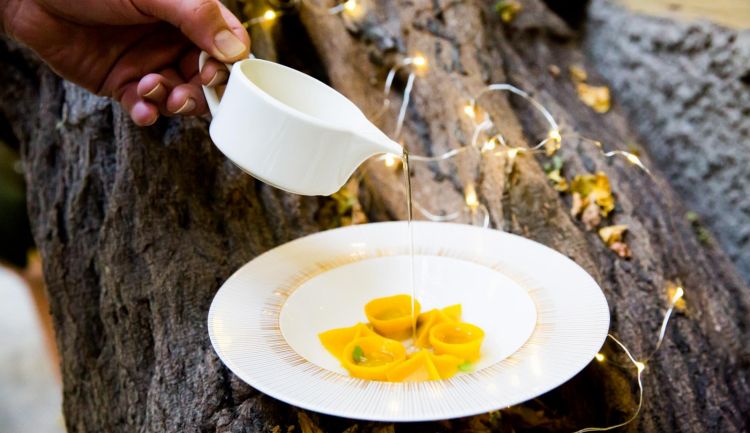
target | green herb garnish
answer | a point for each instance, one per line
(466, 367)
(358, 355)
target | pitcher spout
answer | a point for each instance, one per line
(374, 141)
(366, 142)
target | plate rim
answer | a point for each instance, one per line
(401, 417)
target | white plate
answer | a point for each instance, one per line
(544, 317)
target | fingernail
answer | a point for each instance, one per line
(152, 121)
(153, 91)
(188, 106)
(228, 44)
(220, 77)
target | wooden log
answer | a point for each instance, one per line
(138, 227)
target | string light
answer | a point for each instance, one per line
(472, 203)
(554, 135)
(470, 110)
(351, 7)
(679, 293)
(513, 152)
(640, 366)
(471, 197)
(268, 15)
(419, 60)
(471, 200)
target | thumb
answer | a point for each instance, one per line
(207, 23)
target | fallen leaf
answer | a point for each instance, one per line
(594, 188)
(348, 209)
(591, 216)
(577, 73)
(596, 97)
(621, 249)
(508, 9)
(558, 181)
(577, 205)
(553, 168)
(703, 235)
(612, 234)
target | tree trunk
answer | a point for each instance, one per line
(138, 228)
(683, 75)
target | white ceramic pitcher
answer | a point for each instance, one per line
(290, 130)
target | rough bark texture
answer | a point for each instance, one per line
(686, 89)
(139, 227)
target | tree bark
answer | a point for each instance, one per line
(138, 228)
(685, 71)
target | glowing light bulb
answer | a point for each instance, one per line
(513, 152)
(599, 357)
(350, 5)
(640, 366)
(633, 159)
(469, 110)
(471, 197)
(269, 15)
(489, 145)
(555, 135)
(419, 60)
(678, 294)
(390, 161)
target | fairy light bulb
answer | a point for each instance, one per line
(471, 197)
(390, 161)
(489, 145)
(470, 110)
(678, 294)
(555, 135)
(350, 5)
(269, 15)
(419, 62)
(640, 366)
(633, 159)
(599, 357)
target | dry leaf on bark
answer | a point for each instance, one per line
(594, 188)
(613, 237)
(577, 73)
(591, 216)
(508, 9)
(596, 97)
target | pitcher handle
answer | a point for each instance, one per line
(212, 98)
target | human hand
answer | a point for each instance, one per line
(142, 53)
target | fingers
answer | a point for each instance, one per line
(142, 112)
(207, 23)
(153, 88)
(171, 95)
(212, 74)
(187, 99)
